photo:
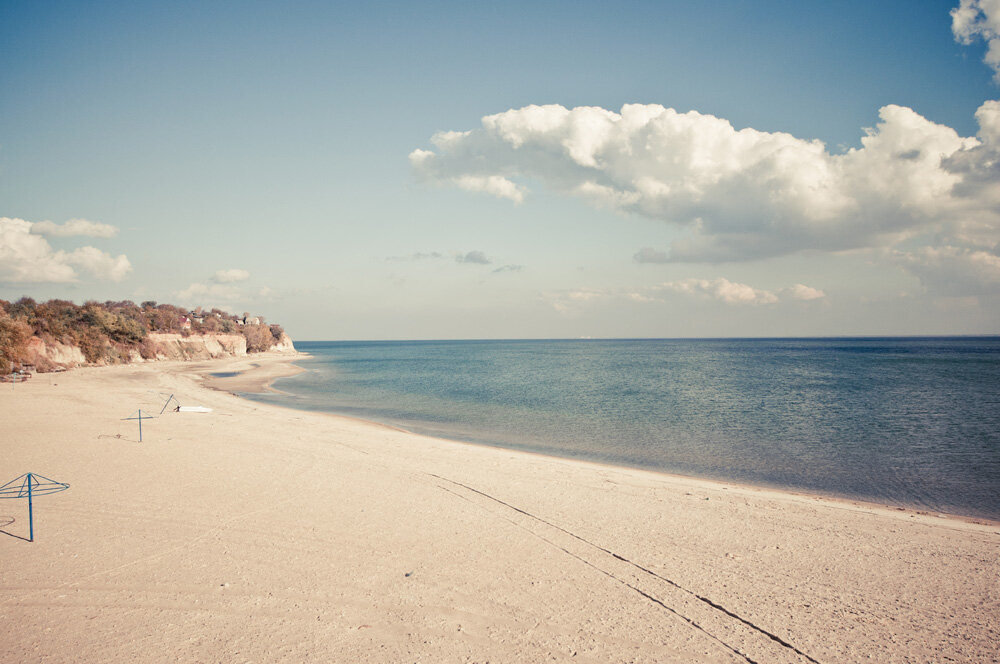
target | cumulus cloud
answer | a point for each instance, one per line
(74, 227)
(508, 268)
(26, 257)
(230, 276)
(742, 194)
(723, 290)
(423, 162)
(98, 263)
(977, 193)
(979, 19)
(477, 257)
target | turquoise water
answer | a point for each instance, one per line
(907, 421)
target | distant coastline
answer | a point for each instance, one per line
(59, 335)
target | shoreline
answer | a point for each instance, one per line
(260, 376)
(253, 374)
(261, 533)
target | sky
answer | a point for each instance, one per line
(449, 170)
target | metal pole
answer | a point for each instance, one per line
(140, 426)
(31, 518)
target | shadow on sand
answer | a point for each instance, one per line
(6, 521)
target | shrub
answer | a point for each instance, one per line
(147, 349)
(259, 338)
(14, 336)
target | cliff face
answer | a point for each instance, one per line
(44, 355)
(197, 347)
(284, 344)
(166, 346)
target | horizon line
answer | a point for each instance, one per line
(707, 338)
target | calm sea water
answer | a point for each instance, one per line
(903, 421)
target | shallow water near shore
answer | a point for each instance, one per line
(903, 421)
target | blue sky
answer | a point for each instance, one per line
(275, 139)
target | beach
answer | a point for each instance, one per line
(255, 533)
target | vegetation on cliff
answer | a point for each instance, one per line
(113, 332)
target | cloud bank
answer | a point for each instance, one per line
(744, 194)
(719, 289)
(953, 270)
(27, 257)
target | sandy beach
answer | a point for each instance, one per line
(259, 534)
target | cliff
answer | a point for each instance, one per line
(157, 346)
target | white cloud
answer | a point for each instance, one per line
(496, 185)
(980, 19)
(26, 257)
(423, 163)
(74, 227)
(743, 194)
(723, 290)
(230, 276)
(803, 292)
(101, 265)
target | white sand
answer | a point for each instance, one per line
(259, 534)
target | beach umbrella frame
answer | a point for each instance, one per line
(140, 416)
(29, 485)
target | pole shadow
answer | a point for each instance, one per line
(117, 436)
(6, 521)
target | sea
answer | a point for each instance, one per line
(909, 422)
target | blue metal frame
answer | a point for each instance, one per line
(28, 485)
(167, 402)
(140, 417)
